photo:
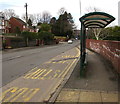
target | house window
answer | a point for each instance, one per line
(24, 26)
(0, 22)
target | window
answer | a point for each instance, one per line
(24, 26)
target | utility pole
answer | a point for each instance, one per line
(26, 22)
(80, 7)
(26, 14)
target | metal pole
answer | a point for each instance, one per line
(84, 45)
(81, 49)
(26, 13)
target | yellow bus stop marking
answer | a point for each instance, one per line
(22, 94)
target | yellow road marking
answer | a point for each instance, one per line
(4, 93)
(46, 74)
(37, 77)
(29, 73)
(64, 62)
(56, 73)
(33, 69)
(40, 72)
(16, 95)
(56, 62)
(54, 85)
(21, 94)
(68, 67)
(37, 73)
(53, 62)
(34, 73)
(32, 94)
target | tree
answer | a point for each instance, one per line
(111, 33)
(47, 37)
(61, 11)
(28, 36)
(93, 9)
(64, 25)
(29, 22)
(17, 30)
(116, 31)
(44, 34)
(46, 17)
(8, 13)
(45, 27)
(35, 18)
(53, 21)
(53, 24)
(95, 31)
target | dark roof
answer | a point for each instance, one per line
(30, 27)
(21, 21)
(96, 20)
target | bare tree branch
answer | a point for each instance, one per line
(8, 13)
(35, 18)
(96, 31)
(61, 11)
(46, 17)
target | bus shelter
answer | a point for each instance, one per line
(91, 20)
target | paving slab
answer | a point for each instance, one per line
(90, 96)
(68, 96)
(109, 97)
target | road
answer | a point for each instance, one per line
(36, 75)
(17, 63)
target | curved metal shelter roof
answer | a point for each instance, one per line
(96, 20)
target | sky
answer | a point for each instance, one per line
(53, 6)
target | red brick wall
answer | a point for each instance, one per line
(108, 49)
(15, 23)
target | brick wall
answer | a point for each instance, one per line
(15, 23)
(109, 49)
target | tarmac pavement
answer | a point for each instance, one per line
(99, 86)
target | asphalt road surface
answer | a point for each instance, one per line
(37, 75)
(17, 63)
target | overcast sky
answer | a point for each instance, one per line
(72, 6)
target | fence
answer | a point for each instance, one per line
(14, 42)
(109, 49)
(8, 42)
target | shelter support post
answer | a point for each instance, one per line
(82, 49)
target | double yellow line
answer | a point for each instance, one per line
(55, 85)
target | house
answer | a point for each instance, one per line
(17, 23)
(32, 29)
(4, 25)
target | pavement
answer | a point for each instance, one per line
(100, 84)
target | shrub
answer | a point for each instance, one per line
(29, 35)
(47, 37)
(45, 27)
(115, 38)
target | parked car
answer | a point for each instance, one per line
(70, 41)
